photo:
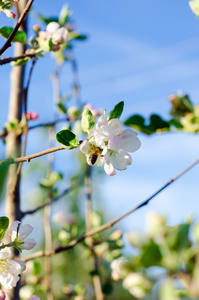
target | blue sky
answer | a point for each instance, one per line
(138, 52)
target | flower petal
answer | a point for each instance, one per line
(118, 161)
(22, 264)
(4, 253)
(115, 143)
(117, 125)
(131, 141)
(109, 169)
(13, 230)
(28, 244)
(85, 146)
(52, 27)
(24, 231)
(99, 161)
(126, 156)
(106, 132)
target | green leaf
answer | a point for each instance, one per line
(157, 124)
(37, 269)
(4, 222)
(75, 35)
(176, 123)
(20, 36)
(107, 288)
(64, 15)
(181, 106)
(20, 62)
(48, 20)
(62, 108)
(67, 139)
(88, 121)
(117, 111)
(151, 255)
(178, 238)
(51, 180)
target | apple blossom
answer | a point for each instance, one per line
(9, 269)
(55, 34)
(113, 144)
(19, 237)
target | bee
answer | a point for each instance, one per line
(92, 158)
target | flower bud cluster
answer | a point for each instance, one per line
(109, 143)
(5, 6)
(52, 38)
(31, 115)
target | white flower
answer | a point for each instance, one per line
(9, 269)
(114, 143)
(57, 34)
(19, 237)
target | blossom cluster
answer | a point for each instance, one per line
(52, 38)
(10, 269)
(110, 144)
(5, 6)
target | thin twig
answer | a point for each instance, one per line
(49, 202)
(19, 22)
(107, 225)
(90, 241)
(49, 123)
(7, 60)
(32, 156)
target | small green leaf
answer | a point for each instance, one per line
(117, 111)
(151, 255)
(48, 20)
(20, 62)
(20, 36)
(157, 124)
(64, 15)
(50, 181)
(37, 269)
(88, 121)
(75, 35)
(4, 222)
(67, 138)
(62, 108)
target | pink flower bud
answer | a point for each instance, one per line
(56, 48)
(9, 13)
(31, 115)
(172, 97)
(36, 28)
(34, 115)
(2, 295)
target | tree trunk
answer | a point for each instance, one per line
(13, 142)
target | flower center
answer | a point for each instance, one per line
(4, 266)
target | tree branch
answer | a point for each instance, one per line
(32, 156)
(49, 202)
(107, 225)
(18, 24)
(7, 60)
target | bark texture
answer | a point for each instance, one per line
(13, 142)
